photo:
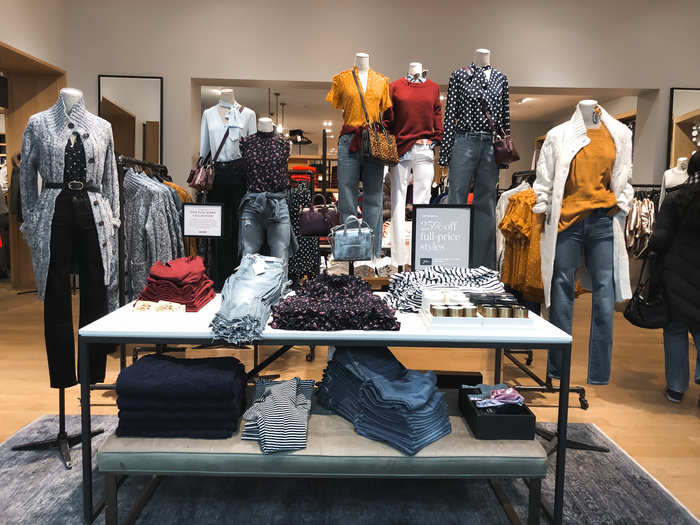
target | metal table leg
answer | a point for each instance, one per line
(84, 360)
(562, 422)
(497, 366)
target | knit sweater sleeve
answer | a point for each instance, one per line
(110, 180)
(389, 115)
(452, 114)
(29, 186)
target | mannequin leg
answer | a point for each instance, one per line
(484, 245)
(93, 293)
(463, 164)
(348, 178)
(399, 182)
(252, 229)
(279, 230)
(58, 307)
(372, 202)
(561, 312)
(676, 347)
(423, 173)
(599, 260)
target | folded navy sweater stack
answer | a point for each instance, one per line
(163, 396)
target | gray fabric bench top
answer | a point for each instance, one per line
(333, 450)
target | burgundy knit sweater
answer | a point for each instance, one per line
(416, 112)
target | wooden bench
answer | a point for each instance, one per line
(333, 450)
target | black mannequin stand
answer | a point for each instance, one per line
(63, 442)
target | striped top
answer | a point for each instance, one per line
(406, 289)
(278, 418)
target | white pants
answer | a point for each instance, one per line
(420, 161)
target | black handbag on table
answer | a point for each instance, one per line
(648, 308)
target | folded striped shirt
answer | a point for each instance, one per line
(406, 289)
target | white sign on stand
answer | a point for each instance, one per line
(442, 236)
(203, 220)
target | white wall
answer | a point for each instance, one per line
(524, 135)
(685, 102)
(595, 44)
(36, 27)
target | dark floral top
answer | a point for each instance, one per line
(266, 155)
(334, 302)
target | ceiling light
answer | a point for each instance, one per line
(280, 128)
(442, 98)
(525, 100)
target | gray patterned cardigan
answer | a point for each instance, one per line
(43, 154)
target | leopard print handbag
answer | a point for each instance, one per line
(377, 143)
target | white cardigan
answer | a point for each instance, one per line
(560, 147)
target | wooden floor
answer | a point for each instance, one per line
(663, 437)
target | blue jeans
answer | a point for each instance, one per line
(265, 218)
(351, 169)
(676, 350)
(592, 237)
(472, 156)
(246, 299)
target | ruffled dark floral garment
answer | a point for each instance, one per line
(334, 302)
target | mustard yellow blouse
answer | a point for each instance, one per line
(343, 95)
(588, 185)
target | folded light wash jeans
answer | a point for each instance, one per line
(265, 218)
(472, 156)
(676, 350)
(258, 284)
(351, 169)
(592, 237)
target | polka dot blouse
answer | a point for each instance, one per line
(74, 165)
(464, 111)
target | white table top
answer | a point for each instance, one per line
(126, 325)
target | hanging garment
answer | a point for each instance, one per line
(152, 229)
(43, 154)
(501, 207)
(306, 261)
(185, 197)
(640, 225)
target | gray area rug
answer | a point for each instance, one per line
(600, 489)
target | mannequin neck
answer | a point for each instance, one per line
(590, 113)
(362, 63)
(70, 97)
(482, 57)
(265, 125)
(682, 164)
(415, 69)
(227, 97)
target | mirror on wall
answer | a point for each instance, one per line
(684, 124)
(134, 107)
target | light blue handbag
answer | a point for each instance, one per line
(352, 240)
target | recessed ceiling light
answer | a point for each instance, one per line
(524, 100)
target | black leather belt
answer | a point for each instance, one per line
(74, 185)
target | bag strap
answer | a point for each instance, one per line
(314, 198)
(487, 114)
(216, 157)
(362, 98)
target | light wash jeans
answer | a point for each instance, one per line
(472, 156)
(418, 159)
(351, 169)
(246, 299)
(676, 349)
(592, 237)
(265, 217)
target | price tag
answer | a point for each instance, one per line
(259, 267)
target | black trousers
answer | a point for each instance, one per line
(229, 189)
(73, 237)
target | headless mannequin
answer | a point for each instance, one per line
(678, 174)
(226, 101)
(362, 65)
(415, 69)
(482, 57)
(265, 125)
(588, 110)
(70, 97)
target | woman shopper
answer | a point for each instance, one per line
(676, 239)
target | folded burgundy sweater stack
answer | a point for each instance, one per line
(181, 281)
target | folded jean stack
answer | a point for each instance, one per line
(181, 281)
(258, 284)
(278, 418)
(385, 401)
(162, 396)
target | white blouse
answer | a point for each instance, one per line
(241, 124)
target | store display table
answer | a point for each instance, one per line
(127, 326)
(334, 450)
